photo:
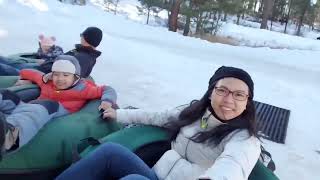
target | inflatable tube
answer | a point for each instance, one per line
(23, 58)
(51, 148)
(133, 138)
(151, 142)
(26, 92)
(8, 81)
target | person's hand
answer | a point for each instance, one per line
(109, 113)
(39, 61)
(105, 105)
(22, 82)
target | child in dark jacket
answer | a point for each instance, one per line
(85, 52)
(62, 92)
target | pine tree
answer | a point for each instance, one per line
(300, 8)
(267, 11)
(148, 4)
(173, 17)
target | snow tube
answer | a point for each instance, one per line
(23, 58)
(51, 148)
(8, 81)
(149, 143)
(50, 151)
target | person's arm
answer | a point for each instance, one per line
(150, 117)
(105, 93)
(32, 75)
(237, 160)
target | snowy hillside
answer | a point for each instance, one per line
(151, 67)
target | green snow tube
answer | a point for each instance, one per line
(149, 143)
(8, 81)
(23, 58)
(50, 151)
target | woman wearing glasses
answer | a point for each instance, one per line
(212, 138)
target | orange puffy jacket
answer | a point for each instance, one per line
(72, 99)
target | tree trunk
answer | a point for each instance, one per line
(212, 23)
(199, 22)
(304, 10)
(217, 24)
(173, 19)
(267, 10)
(301, 19)
(187, 25)
(238, 19)
(288, 16)
(225, 17)
(148, 15)
(313, 21)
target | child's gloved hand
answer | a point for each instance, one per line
(105, 105)
(109, 113)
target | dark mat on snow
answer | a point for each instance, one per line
(272, 122)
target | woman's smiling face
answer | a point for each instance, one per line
(224, 98)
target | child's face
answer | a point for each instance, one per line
(84, 42)
(62, 80)
(45, 48)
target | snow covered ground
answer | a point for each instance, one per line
(151, 67)
(253, 37)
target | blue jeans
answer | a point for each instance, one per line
(109, 161)
(7, 68)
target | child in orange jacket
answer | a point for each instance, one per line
(62, 92)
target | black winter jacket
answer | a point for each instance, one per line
(86, 56)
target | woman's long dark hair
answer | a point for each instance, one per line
(196, 110)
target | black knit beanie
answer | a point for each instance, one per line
(92, 35)
(225, 71)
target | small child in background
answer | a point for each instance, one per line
(63, 91)
(47, 51)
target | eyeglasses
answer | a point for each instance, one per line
(236, 95)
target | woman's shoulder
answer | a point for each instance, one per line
(242, 135)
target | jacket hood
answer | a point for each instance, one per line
(87, 49)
